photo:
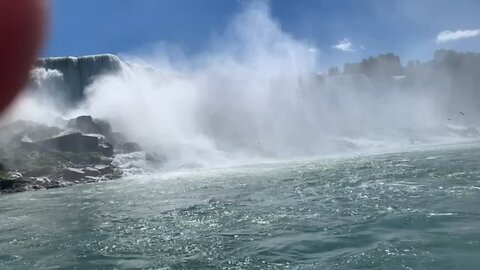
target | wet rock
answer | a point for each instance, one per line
(91, 172)
(14, 176)
(54, 184)
(12, 183)
(39, 180)
(72, 174)
(86, 124)
(116, 174)
(106, 149)
(7, 184)
(21, 188)
(92, 179)
(43, 171)
(55, 162)
(130, 147)
(104, 169)
(83, 124)
(105, 160)
(75, 143)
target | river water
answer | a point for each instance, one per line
(418, 209)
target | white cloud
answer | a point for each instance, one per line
(344, 45)
(446, 36)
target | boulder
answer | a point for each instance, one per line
(104, 169)
(105, 160)
(72, 174)
(92, 179)
(11, 183)
(39, 181)
(106, 149)
(37, 172)
(50, 184)
(14, 176)
(14, 181)
(86, 124)
(89, 171)
(76, 143)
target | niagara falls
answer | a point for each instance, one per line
(240, 134)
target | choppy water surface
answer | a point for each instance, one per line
(414, 210)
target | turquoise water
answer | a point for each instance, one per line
(413, 210)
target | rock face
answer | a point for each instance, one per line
(79, 72)
(72, 174)
(106, 149)
(104, 169)
(12, 183)
(76, 143)
(37, 172)
(92, 172)
(86, 124)
(53, 160)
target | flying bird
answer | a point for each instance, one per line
(462, 113)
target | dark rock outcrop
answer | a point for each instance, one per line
(104, 169)
(76, 143)
(72, 174)
(106, 149)
(86, 124)
(89, 171)
(6, 184)
(37, 172)
(59, 160)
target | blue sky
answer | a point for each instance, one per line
(341, 30)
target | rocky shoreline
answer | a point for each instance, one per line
(35, 156)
